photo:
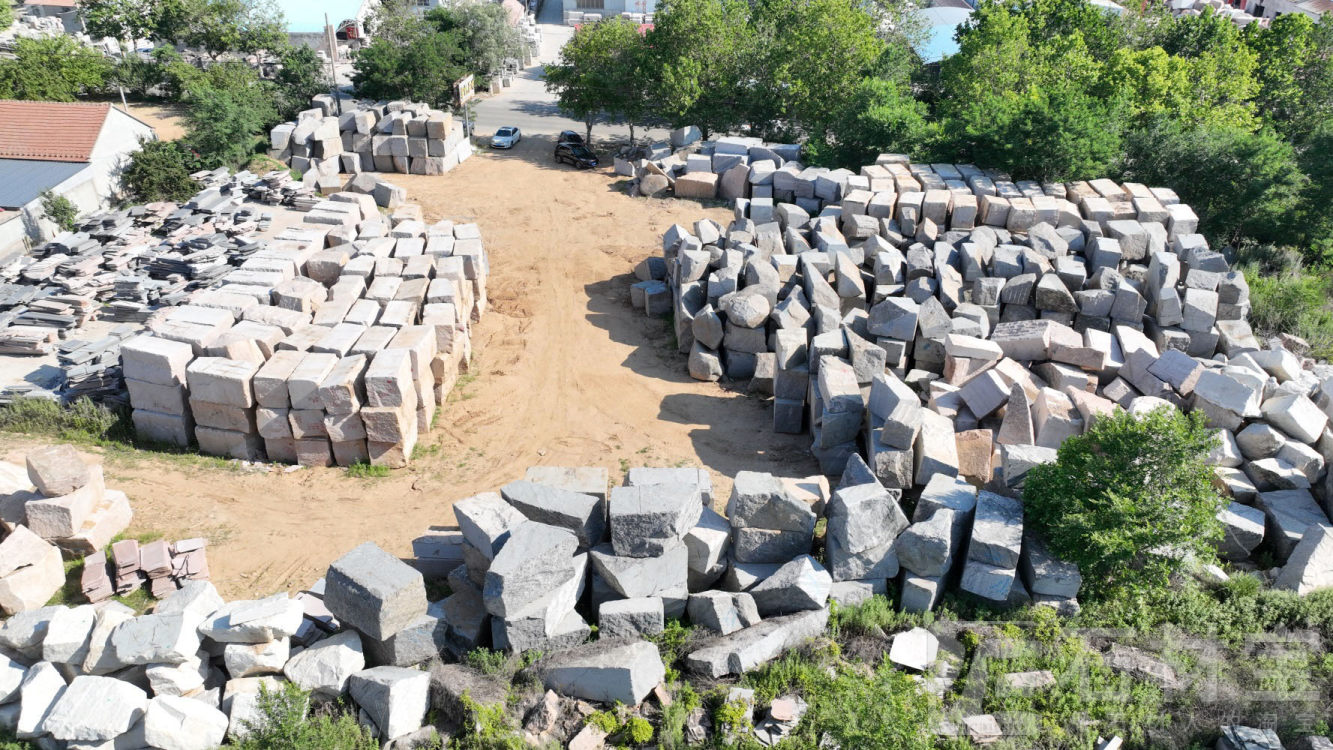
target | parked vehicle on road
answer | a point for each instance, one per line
(569, 137)
(575, 154)
(506, 137)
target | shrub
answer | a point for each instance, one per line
(287, 722)
(1291, 300)
(82, 421)
(1128, 499)
(60, 210)
(159, 171)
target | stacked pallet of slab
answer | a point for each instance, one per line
(939, 320)
(335, 343)
(327, 140)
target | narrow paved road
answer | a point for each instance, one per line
(529, 106)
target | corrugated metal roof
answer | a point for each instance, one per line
(22, 180)
(50, 131)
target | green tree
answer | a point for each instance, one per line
(60, 210)
(1128, 499)
(54, 69)
(159, 171)
(6, 14)
(596, 72)
(226, 116)
(1242, 184)
(803, 91)
(126, 20)
(1046, 133)
(217, 26)
(1294, 72)
(484, 31)
(423, 69)
(301, 77)
(705, 52)
(880, 116)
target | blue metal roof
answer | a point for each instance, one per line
(22, 180)
(941, 23)
(307, 16)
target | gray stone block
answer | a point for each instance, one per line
(630, 618)
(374, 592)
(646, 520)
(623, 673)
(581, 514)
(802, 584)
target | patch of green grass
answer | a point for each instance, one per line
(488, 729)
(425, 451)
(70, 594)
(138, 600)
(142, 537)
(365, 470)
(875, 616)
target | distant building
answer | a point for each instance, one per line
(306, 19)
(65, 10)
(77, 150)
(607, 8)
(1315, 9)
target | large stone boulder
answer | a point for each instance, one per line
(177, 723)
(374, 592)
(802, 584)
(623, 673)
(95, 709)
(584, 515)
(646, 520)
(154, 639)
(325, 667)
(1310, 566)
(537, 559)
(745, 649)
(395, 698)
(244, 621)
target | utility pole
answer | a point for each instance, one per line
(332, 39)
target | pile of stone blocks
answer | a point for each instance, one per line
(726, 167)
(930, 320)
(335, 344)
(331, 139)
(56, 506)
(162, 566)
(190, 673)
(536, 564)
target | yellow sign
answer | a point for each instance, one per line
(463, 90)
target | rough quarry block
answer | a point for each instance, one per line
(707, 545)
(31, 571)
(253, 621)
(57, 470)
(624, 673)
(760, 500)
(801, 584)
(178, 723)
(486, 521)
(583, 515)
(374, 592)
(326, 667)
(723, 611)
(535, 560)
(997, 530)
(630, 618)
(1310, 566)
(1045, 574)
(646, 520)
(1243, 529)
(666, 576)
(95, 709)
(61, 516)
(155, 360)
(395, 698)
(222, 381)
(745, 649)
(864, 516)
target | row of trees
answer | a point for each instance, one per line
(419, 57)
(1239, 122)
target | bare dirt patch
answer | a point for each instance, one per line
(167, 119)
(564, 373)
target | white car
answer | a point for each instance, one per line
(506, 137)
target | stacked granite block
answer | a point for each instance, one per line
(335, 346)
(404, 137)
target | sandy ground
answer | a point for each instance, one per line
(565, 374)
(167, 119)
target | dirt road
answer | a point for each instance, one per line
(565, 374)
